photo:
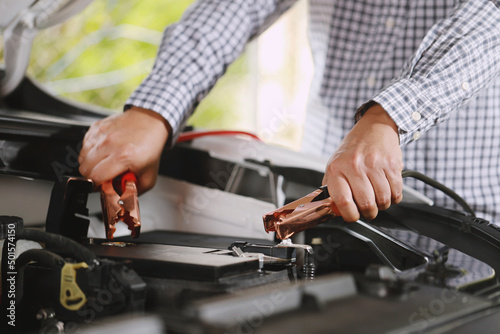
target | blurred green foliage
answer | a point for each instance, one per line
(91, 37)
(101, 55)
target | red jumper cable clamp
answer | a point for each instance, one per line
(119, 201)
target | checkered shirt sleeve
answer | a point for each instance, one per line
(458, 58)
(196, 51)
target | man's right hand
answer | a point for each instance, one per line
(364, 174)
(131, 141)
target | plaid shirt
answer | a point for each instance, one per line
(432, 65)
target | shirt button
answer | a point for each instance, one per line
(416, 116)
(390, 23)
(416, 135)
(371, 82)
(465, 86)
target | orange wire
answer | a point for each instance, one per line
(187, 136)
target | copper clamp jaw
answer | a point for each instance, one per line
(301, 214)
(122, 205)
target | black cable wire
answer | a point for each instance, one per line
(41, 257)
(435, 184)
(45, 257)
(59, 243)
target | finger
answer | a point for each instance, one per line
(341, 195)
(381, 189)
(364, 197)
(106, 169)
(99, 144)
(90, 158)
(146, 180)
(396, 184)
(325, 180)
(96, 132)
(86, 147)
(91, 140)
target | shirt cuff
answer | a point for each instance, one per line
(409, 107)
(168, 97)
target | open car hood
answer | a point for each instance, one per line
(20, 21)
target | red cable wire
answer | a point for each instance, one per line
(187, 136)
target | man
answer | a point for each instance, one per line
(399, 67)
